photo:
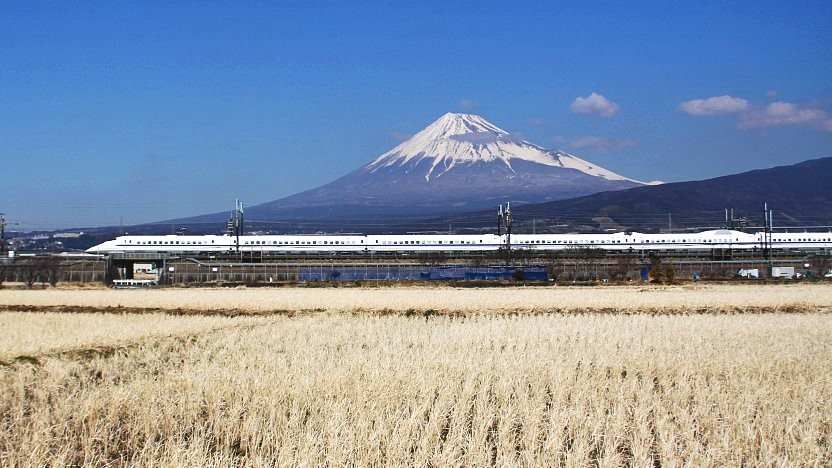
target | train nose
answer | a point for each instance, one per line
(98, 249)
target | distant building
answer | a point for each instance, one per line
(67, 235)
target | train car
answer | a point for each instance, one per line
(706, 240)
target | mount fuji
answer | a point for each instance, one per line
(460, 162)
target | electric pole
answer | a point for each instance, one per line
(234, 227)
(508, 221)
(2, 234)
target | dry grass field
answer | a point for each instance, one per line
(26, 334)
(480, 388)
(697, 298)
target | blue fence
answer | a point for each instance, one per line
(425, 273)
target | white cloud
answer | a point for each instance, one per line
(467, 104)
(774, 114)
(786, 113)
(601, 143)
(399, 136)
(594, 104)
(715, 105)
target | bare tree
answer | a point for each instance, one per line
(41, 270)
(669, 274)
(656, 269)
(624, 265)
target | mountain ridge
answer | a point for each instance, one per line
(799, 195)
(460, 162)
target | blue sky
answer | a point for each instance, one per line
(140, 111)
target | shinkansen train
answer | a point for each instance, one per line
(707, 240)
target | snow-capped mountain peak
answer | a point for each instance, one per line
(466, 139)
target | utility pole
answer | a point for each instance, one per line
(235, 227)
(2, 234)
(770, 238)
(508, 221)
(669, 223)
(500, 220)
(767, 235)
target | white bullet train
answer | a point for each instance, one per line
(706, 240)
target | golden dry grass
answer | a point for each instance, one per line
(27, 334)
(572, 390)
(534, 299)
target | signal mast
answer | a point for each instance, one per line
(504, 220)
(2, 234)
(235, 226)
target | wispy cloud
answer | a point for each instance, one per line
(594, 104)
(467, 104)
(786, 113)
(399, 136)
(601, 143)
(717, 105)
(774, 114)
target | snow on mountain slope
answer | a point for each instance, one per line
(457, 164)
(458, 139)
